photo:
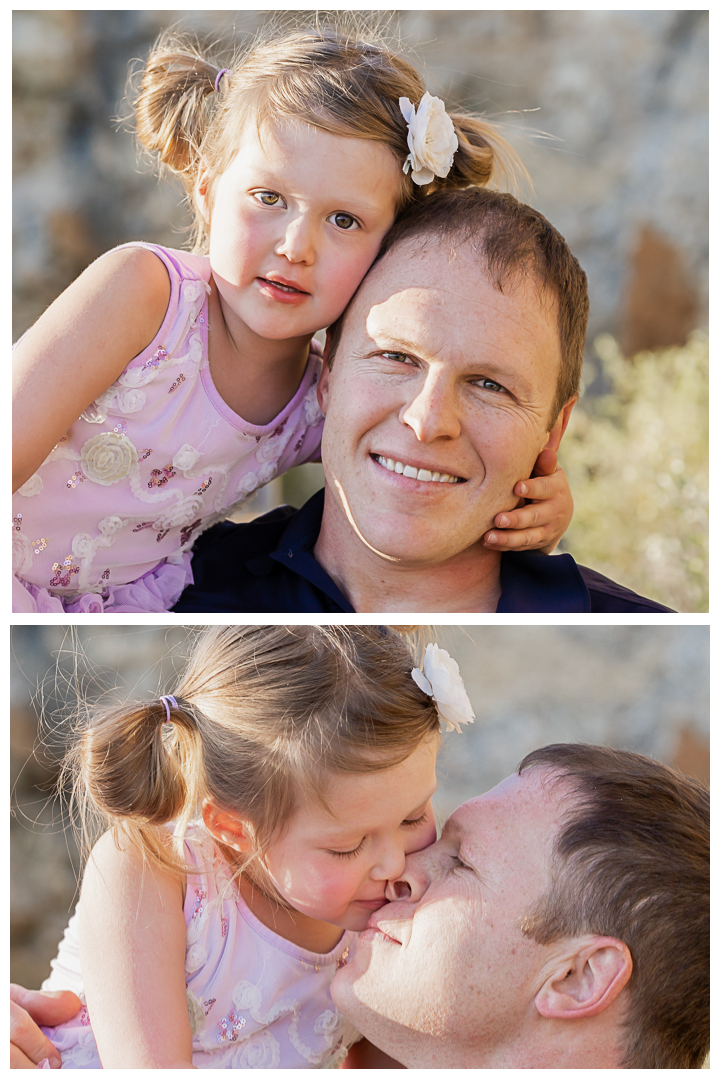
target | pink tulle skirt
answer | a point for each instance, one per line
(157, 590)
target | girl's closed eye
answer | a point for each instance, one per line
(414, 822)
(348, 854)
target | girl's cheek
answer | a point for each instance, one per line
(424, 836)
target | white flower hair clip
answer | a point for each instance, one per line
(431, 139)
(441, 680)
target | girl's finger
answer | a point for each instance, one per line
(537, 487)
(516, 538)
(525, 517)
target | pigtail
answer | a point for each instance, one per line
(134, 772)
(175, 104)
(482, 155)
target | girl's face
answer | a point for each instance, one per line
(295, 223)
(334, 866)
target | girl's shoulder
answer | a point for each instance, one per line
(180, 265)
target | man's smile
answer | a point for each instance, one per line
(432, 476)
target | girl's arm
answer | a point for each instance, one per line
(132, 952)
(543, 519)
(79, 346)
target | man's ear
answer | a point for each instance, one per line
(323, 389)
(587, 981)
(557, 431)
(226, 827)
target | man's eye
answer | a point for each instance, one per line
(269, 198)
(346, 222)
(399, 356)
(459, 864)
(490, 384)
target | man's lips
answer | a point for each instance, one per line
(373, 931)
(416, 472)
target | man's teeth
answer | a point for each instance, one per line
(415, 474)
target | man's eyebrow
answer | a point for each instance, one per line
(390, 343)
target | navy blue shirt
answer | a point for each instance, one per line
(268, 565)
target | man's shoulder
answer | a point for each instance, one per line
(247, 538)
(534, 582)
(607, 595)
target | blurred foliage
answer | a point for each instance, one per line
(636, 458)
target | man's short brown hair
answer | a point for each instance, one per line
(632, 861)
(512, 241)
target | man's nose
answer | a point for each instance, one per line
(297, 244)
(414, 879)
(433, 411)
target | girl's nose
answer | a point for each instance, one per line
(297, 244)
(433, 413)
(390, 863)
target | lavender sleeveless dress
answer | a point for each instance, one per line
(108, 520)
(255, 1000)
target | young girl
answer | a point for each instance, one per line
(297, 765)
(163, 388)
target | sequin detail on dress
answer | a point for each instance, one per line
(94, 498)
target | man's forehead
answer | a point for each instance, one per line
(526, 803)
(419, 260)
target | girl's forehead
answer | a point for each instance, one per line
(347, 797)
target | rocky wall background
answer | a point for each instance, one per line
(643, 688)
(608, 109)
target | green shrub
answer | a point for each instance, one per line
(636, 459)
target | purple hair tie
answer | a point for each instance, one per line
(168, 700)
(218, 77)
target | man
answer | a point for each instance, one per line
(456, 364)
(561, 921)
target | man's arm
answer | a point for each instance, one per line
(28, 1008)
(363, 1055)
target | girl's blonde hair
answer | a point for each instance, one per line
(265, 714)
(331, 79)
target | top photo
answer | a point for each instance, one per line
(374, 312)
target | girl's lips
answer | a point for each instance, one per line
(372, 905)
(278, 290)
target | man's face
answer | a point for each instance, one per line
(448, 964)
(438, 402)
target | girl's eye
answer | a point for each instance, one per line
(344, 221)
(490, 384)
(417, 820)
(349, 854)
(269, 198)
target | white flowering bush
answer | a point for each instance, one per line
(636, 459)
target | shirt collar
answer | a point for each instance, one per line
(529, 580)
(295, 550)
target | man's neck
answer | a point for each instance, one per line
(469, 581)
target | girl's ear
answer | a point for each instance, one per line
(202, 193)
(227, 827)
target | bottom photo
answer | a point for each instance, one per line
(287, 846)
